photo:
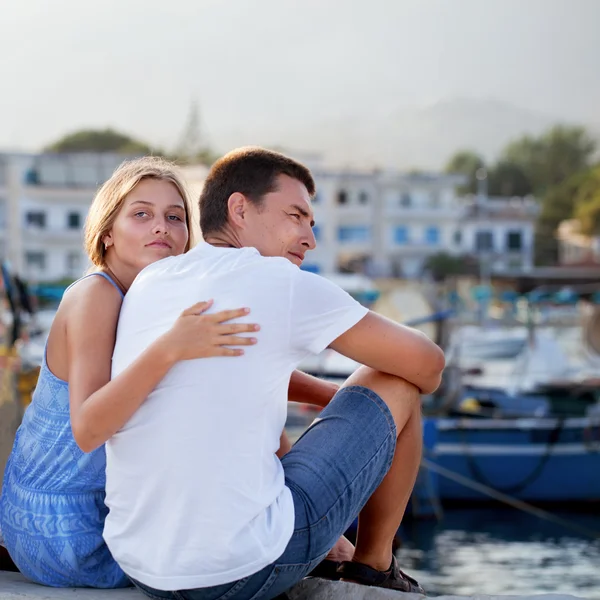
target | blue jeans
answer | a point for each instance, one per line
(332, 470)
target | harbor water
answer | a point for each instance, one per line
(502, 551)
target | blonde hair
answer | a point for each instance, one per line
(110, 198)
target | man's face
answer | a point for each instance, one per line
(282, 224)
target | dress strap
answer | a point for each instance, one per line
(102, 274)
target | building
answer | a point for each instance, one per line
(44, 200)
(574, 248)
(498, 231)
(386, 223)
(381, 222)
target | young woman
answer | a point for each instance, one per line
(52, 506)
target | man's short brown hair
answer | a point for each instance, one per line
(251, 171)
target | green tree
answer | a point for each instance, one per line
(99, 140)
(552, 158)
(558, 204)
(508, 179)
(466, 162)
(587, 203)
(442, 265)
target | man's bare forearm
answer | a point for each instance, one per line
(310, 390)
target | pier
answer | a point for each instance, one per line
(15, 587)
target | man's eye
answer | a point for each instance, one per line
(295, 215)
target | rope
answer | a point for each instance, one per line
(506, 499)
(515, 488)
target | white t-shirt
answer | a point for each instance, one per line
(196, 494)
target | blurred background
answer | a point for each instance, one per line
(456, 151)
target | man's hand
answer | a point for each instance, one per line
(284, 445)
(343, 550)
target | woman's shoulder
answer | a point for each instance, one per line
(96, 293)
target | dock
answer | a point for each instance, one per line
(14, 586)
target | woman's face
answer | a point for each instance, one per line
(150, 225)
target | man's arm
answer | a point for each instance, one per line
(310, 390)
(387, 346)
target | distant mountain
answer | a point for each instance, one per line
(409, 137)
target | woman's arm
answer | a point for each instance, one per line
(101, 406)
(310, 390)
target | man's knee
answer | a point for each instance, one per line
(402, 398)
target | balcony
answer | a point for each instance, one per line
(421, 213)
(52, 234)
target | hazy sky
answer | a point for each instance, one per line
(136, 64)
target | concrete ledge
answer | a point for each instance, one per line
(320, 589)
(15, 587)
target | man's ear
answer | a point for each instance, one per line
(236, 209)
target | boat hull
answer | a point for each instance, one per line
(536, 460)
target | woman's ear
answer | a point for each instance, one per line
(107, 240)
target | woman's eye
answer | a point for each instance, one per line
(175, 218)
(141, 213)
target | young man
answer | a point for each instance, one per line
(196, 466)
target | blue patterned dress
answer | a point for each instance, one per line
(52, 507)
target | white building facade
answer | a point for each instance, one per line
(575, 248)
(379, 223)
(499, 232)
(44, 200)
(389, 223)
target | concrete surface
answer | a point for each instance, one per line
(14, 587)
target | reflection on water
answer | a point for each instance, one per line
(491, 551)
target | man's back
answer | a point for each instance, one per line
(196, 493)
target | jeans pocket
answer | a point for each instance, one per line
(242, 589)
(266, 586)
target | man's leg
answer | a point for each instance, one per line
(380, 518)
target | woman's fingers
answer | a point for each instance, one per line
(227, 315)
(235, 340)
(229, 328)
(229, 352)
(197, 308)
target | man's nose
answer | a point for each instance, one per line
(310, 242)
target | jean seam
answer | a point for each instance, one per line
(378, 401)
(366, 466)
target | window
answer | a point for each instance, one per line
(405, 199)
(357, 233)
(363, 198)
(73, 220)
(35, 219)
(401, 235)
(434, 199)
(35, 259)
(514, 241)
(484, 241)
(457, 238)
(515, 263)
(432, 236)
(74, 262)
(342, 197)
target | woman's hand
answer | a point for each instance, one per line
(196, 335)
